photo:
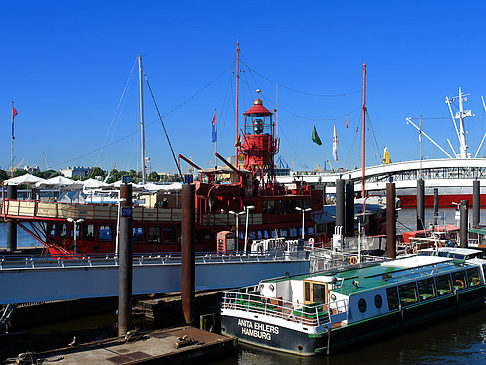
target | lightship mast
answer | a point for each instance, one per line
(142, 123)
(363, 135)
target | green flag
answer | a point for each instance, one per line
(315, 137)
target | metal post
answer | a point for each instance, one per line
(247, 209)
(349, 221)
(125, 259)
(188, 259)
(463, 223)
(436, 206)
(303, 223)
(420, 204)
(340, 211)
(142, 122)
(391, 229)
(11, 225)
(476, 203)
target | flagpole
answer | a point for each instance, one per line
(215, 141)
(237, 89)
(12, 153)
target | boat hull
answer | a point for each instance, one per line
(340, 339)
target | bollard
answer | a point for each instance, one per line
(391, 229)
(340, 210)
(349, 219)
(463, 223)
(11, 225)
(420, 204)
(476, 203)
(188, 260)
(436, 206)
(125, 252)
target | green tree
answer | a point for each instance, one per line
(153, 176)
(96, 171)
(19, 173)
(50, 173)
(3, 175)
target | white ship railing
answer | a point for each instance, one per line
(248, 299)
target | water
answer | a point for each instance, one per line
(23, 238)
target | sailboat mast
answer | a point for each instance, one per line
(363, 135)
(142, 123)
(237, 89)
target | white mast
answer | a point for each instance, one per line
(142, 124)
(462, 134)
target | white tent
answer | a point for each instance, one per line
(60, 182)
(27, 179)
(93, 184)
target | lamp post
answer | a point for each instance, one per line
(237, 217)
(303, 215)
(75, 221)
(247, 208)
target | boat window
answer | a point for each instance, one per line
(274, 233)
(362, 305)
(392, 298)
(443, 284)
(154, 235)
(88, 232)
(62, 229)
(459, 280)
(259, 234)
(105, 233)
(138, 234)
(310, 230)
(251, 235)
(51, 228)
(265, 233)
(170, 235)
(293, 232)
(306, 291)
(283, 232)
(270, 207)
(426, 289)
(319, 293)
(473, 276)
(72, 230)
(378, 301)
(408, 294)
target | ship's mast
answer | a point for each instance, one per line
(462, 133)
(237, 89)
(363, 135)
(142, 123)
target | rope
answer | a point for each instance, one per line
(163, 126)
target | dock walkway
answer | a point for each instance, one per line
(155, 347)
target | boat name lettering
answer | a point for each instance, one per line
(256, 329)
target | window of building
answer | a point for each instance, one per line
(473, 277)
(426, 289)
(392, 298)
(105, 233)
(408, 294)
(443, 284)
(459, 280)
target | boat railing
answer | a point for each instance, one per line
(325, 259)
(249, 299)
(39, 261)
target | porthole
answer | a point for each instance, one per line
(333, 296)
(378, 301)
(362, 305)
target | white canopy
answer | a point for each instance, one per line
(59, 181)
(24, 179)
(93, 184)
(152, 187)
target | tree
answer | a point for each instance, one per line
(153, 176)
(50, 173)
(19, 173)
(3, 175)
(96, 171)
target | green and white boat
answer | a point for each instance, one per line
(328, 311)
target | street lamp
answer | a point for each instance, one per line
(247, 208)
(71, 220)
(237, 217)
(303, 215)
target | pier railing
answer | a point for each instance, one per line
(249, 299)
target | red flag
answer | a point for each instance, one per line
(14, 112)
(347, 122)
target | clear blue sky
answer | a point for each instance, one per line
(66, 63)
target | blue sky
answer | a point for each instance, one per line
(65, 64)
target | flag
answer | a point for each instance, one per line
(14, 112)
(213, 124)
(347, 126)
(315, 137)
(335, 144)
(238, 141)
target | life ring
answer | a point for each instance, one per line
(353, 260)
(461, 283)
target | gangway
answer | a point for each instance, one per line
(35, 279)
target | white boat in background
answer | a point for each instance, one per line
(453, 176)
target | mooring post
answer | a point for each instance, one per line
(125, 258)
(188, 261)
(391, 228)
(436, 206)
(420, 204)
(349, 220)
(340, 210)
(11, 225)
(463, 223)
(476, 203)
